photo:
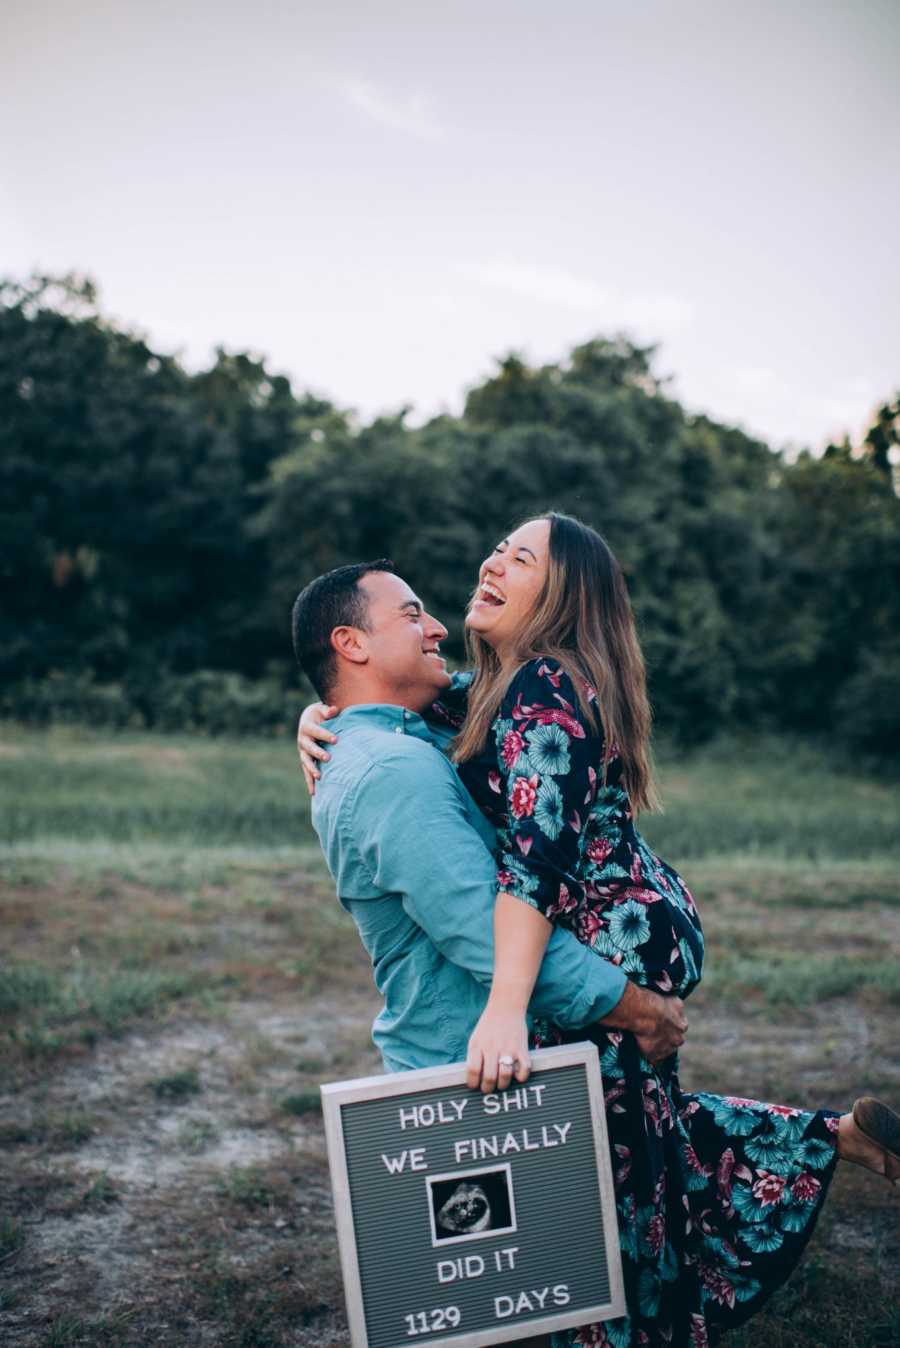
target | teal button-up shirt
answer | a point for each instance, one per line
(411, 856)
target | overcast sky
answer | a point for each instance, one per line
(382, 198)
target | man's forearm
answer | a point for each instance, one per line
(658, 1023)
(635, 1010)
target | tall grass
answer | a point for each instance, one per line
(140, 788)
(772, 797)
(765, 798)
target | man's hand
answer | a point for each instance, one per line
(658, 1023)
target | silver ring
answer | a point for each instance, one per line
(507, 1061)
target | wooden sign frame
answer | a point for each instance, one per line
(336, 1095)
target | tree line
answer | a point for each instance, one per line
(157, 525)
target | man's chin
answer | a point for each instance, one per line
(437, 669)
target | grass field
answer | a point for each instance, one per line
(176, 979)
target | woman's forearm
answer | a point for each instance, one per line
(498, 1047)
(521, 934)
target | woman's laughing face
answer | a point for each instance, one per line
(509, 582)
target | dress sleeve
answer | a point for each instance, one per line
(451, 707)
(549, 758)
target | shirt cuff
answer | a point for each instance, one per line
(603, 988)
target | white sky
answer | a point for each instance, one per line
(381, 198)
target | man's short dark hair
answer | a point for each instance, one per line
(329, 601)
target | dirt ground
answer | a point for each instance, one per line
(173, 1209)
(164, 1178)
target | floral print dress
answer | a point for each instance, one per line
(716, 1195)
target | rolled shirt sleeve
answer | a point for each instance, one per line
(410, 823)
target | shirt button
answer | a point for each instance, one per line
(398, 729)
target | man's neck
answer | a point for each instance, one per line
(345, 698)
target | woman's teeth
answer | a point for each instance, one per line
(490, 594)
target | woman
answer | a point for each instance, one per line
(716, 1196)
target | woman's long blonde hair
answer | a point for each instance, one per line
(583, 619)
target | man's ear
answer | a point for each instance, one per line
(349, 643)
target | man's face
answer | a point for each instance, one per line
(403, 641)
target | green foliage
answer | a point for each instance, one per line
(211, 701)
(43, 1010)
(127, 487)
(101, 1192)
(868, 705)
(303, 1102)
(247, 1186)
(158, 525)
(69, 699)
(176, 1086)
(11, 1237)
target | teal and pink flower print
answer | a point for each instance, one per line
(567, 816)
(512, 749)
(523, 796)
(548, 810)
(715, 1194)
(628, 925)
(548, 750)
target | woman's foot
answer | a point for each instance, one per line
(870, 1137)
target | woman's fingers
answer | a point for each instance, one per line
(311, 737)
(311, 732)
(473, 1068)
(311, 747)
(523, 1068)
(321, 733)
(497, 1057)
(505, 1065)
(489, 1073)
(309, 776)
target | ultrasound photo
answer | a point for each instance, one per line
(475, 1204)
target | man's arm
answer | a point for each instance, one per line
(408, 819)
(658, 1023)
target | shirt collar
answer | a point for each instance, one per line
(381, 716)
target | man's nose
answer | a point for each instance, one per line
(434, 628)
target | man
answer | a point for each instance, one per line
(409, 850)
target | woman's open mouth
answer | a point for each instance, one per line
(489, 594)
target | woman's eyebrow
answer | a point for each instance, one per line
(522, 548)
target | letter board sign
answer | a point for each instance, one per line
(467, 1219)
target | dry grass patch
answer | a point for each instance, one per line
(95, 959)
(171, 1010)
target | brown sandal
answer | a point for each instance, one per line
(881, 1125)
